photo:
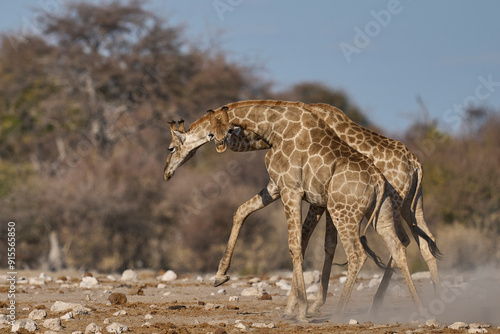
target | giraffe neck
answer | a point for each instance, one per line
(361, 139)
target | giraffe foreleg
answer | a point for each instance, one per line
(292, 205)
(265, 197)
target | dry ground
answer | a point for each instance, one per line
(190, 304)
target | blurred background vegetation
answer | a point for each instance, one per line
(83, 141)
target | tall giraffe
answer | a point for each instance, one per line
(402, 170)
(400, 167)
(308, 161)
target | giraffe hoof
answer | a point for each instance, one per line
(221, 280)
(313, 313)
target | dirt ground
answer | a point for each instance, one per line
(190, 304)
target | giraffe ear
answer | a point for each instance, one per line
(235, 130)
(180, 135)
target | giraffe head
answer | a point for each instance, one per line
(185, 143)
(182, 147)
(221, 130)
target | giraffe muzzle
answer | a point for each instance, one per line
(220, 146)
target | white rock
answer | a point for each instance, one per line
(283, 285)
(222, 291)
(129, 275)
(148, 316)
(353, 322)
(27, 324)
(240, 325)
(52, 324)
(121, 312)
(111, 278)
(169, 276)
(374, 282)
(117, 328)
(342, 279)
(274, 278)
(37, 314)
(59, 306)
(161, 286)
(36, 280)
(250, 292)
(313, 288)
(210, 306)
(254, 280)
(360, 287)
(67, 316)
(93, 328)
(421, 275)
(199, 278)
(89, 282)
(167, 293)
(433, 322)
(311, 277)
(479, 325)
(458, 325)
(234, 298)
(263, 325)
(477, 330)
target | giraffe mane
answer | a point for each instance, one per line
(247, 103)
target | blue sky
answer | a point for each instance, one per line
(382, 53)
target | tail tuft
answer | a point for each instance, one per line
(371, 254)
(432, 245)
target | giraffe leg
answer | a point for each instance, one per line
(384, 284)
(330, 245)
(418, 217)
(356, 257)
(385, 228)
(310, 222)
(292, 204)
(262, 199)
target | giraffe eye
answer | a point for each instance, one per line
(172, 149)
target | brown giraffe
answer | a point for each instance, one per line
(403, 171)
(308, 161)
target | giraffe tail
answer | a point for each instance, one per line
(380, 194)
(371, 254)
(431, 243)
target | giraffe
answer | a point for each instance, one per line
(307, 160)
(402, 170)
